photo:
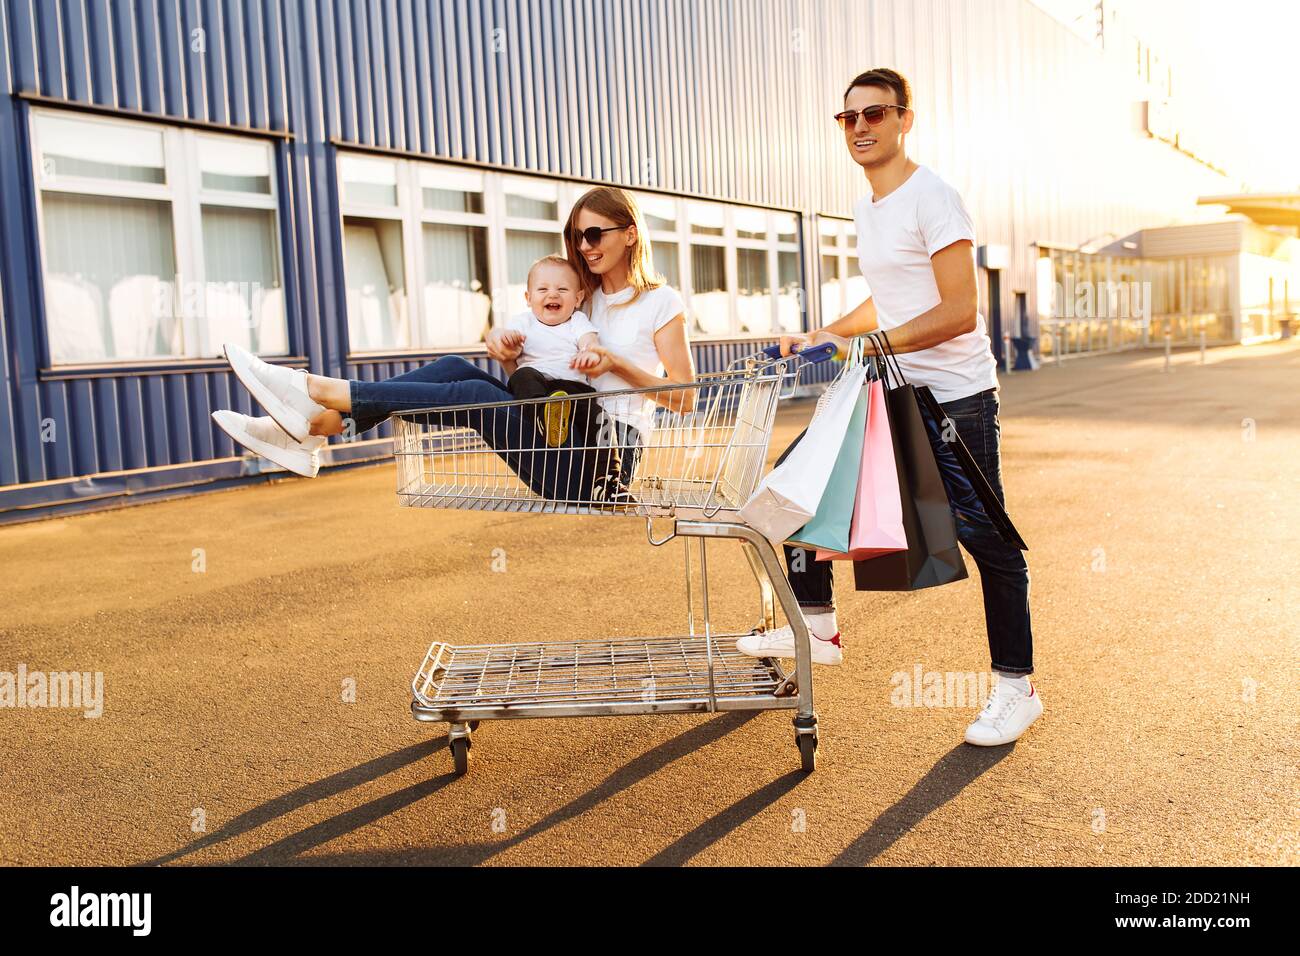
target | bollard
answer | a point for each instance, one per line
(1202, 346)
(1168, 351)
(1006, 350)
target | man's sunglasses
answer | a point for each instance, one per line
(593, 234)
(874, 115)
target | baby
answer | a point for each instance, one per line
(553, 343)
(553, 339)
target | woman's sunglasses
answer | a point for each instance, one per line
(592, 234)
(874, 115)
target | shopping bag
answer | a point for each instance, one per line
(829, 527)
(932, 556)
(788, 497)
(968, 489)
(877, 526)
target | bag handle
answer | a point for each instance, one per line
(890, 359)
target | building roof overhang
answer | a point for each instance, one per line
(1267, 209)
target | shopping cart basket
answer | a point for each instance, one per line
(703, 447)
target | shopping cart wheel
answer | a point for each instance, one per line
(473, 725)
(807, 752)
(460, 755)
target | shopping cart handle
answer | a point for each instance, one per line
(817, 353)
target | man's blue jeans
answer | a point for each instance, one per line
(1004, 575)
(561, 473)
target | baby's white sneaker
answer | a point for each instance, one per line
(281, 391)
(264, 437)
(1007, 714)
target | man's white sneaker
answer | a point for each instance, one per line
(281, 391)
(264, 437)
(780, 643)
(1007, 714)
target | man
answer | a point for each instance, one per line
(915, 245)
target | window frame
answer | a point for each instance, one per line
(730, 242)
(410, 210)
(182, 189)
(843, 248)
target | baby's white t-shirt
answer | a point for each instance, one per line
(550, 348)
(629, 331)
(896, 238)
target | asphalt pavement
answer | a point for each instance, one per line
(257, 647)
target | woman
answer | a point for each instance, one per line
(642, 327)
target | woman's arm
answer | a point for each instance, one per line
(674, 351)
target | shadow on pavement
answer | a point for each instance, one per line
(719, 825)
(309, 793)
(285, 851)
(947, 778)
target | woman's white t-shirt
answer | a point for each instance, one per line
(629, 331)
(897, 236)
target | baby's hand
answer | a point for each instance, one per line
(505, 344)
(585, 360)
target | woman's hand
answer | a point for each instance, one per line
(594, 362)
(504, 345)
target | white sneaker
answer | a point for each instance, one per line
(1007, 714)
(264, 437)
(780, 643)
(281, 391)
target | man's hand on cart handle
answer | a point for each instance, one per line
(797, 343)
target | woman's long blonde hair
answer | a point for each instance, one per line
(618, 206)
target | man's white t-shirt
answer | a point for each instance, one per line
(896, 238)
(550, 348)
(629, 331)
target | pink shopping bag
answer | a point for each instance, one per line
(877, 526)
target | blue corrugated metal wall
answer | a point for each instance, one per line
(721, 98)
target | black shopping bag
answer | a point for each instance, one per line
(968, 489)
(932, 556)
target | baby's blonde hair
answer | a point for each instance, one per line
(553, 260)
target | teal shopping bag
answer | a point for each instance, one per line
(829, 527)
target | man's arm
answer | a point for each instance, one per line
(858, 322)
(954, 274)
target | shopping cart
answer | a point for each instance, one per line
(703, 451)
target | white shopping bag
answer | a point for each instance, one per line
(788, 497)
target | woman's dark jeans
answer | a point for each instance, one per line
(561, 473)
(1004, 575)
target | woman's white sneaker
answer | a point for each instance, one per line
(1006, 715)
(281, 391)
(264, 437)
(780, 643)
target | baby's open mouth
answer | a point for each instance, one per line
(552, 307)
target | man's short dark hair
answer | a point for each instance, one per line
(886, 79)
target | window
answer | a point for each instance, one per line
(157, 242)
(434, 254)
(456, 301)
(842, 286)
(710, 303)
(740, 274)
